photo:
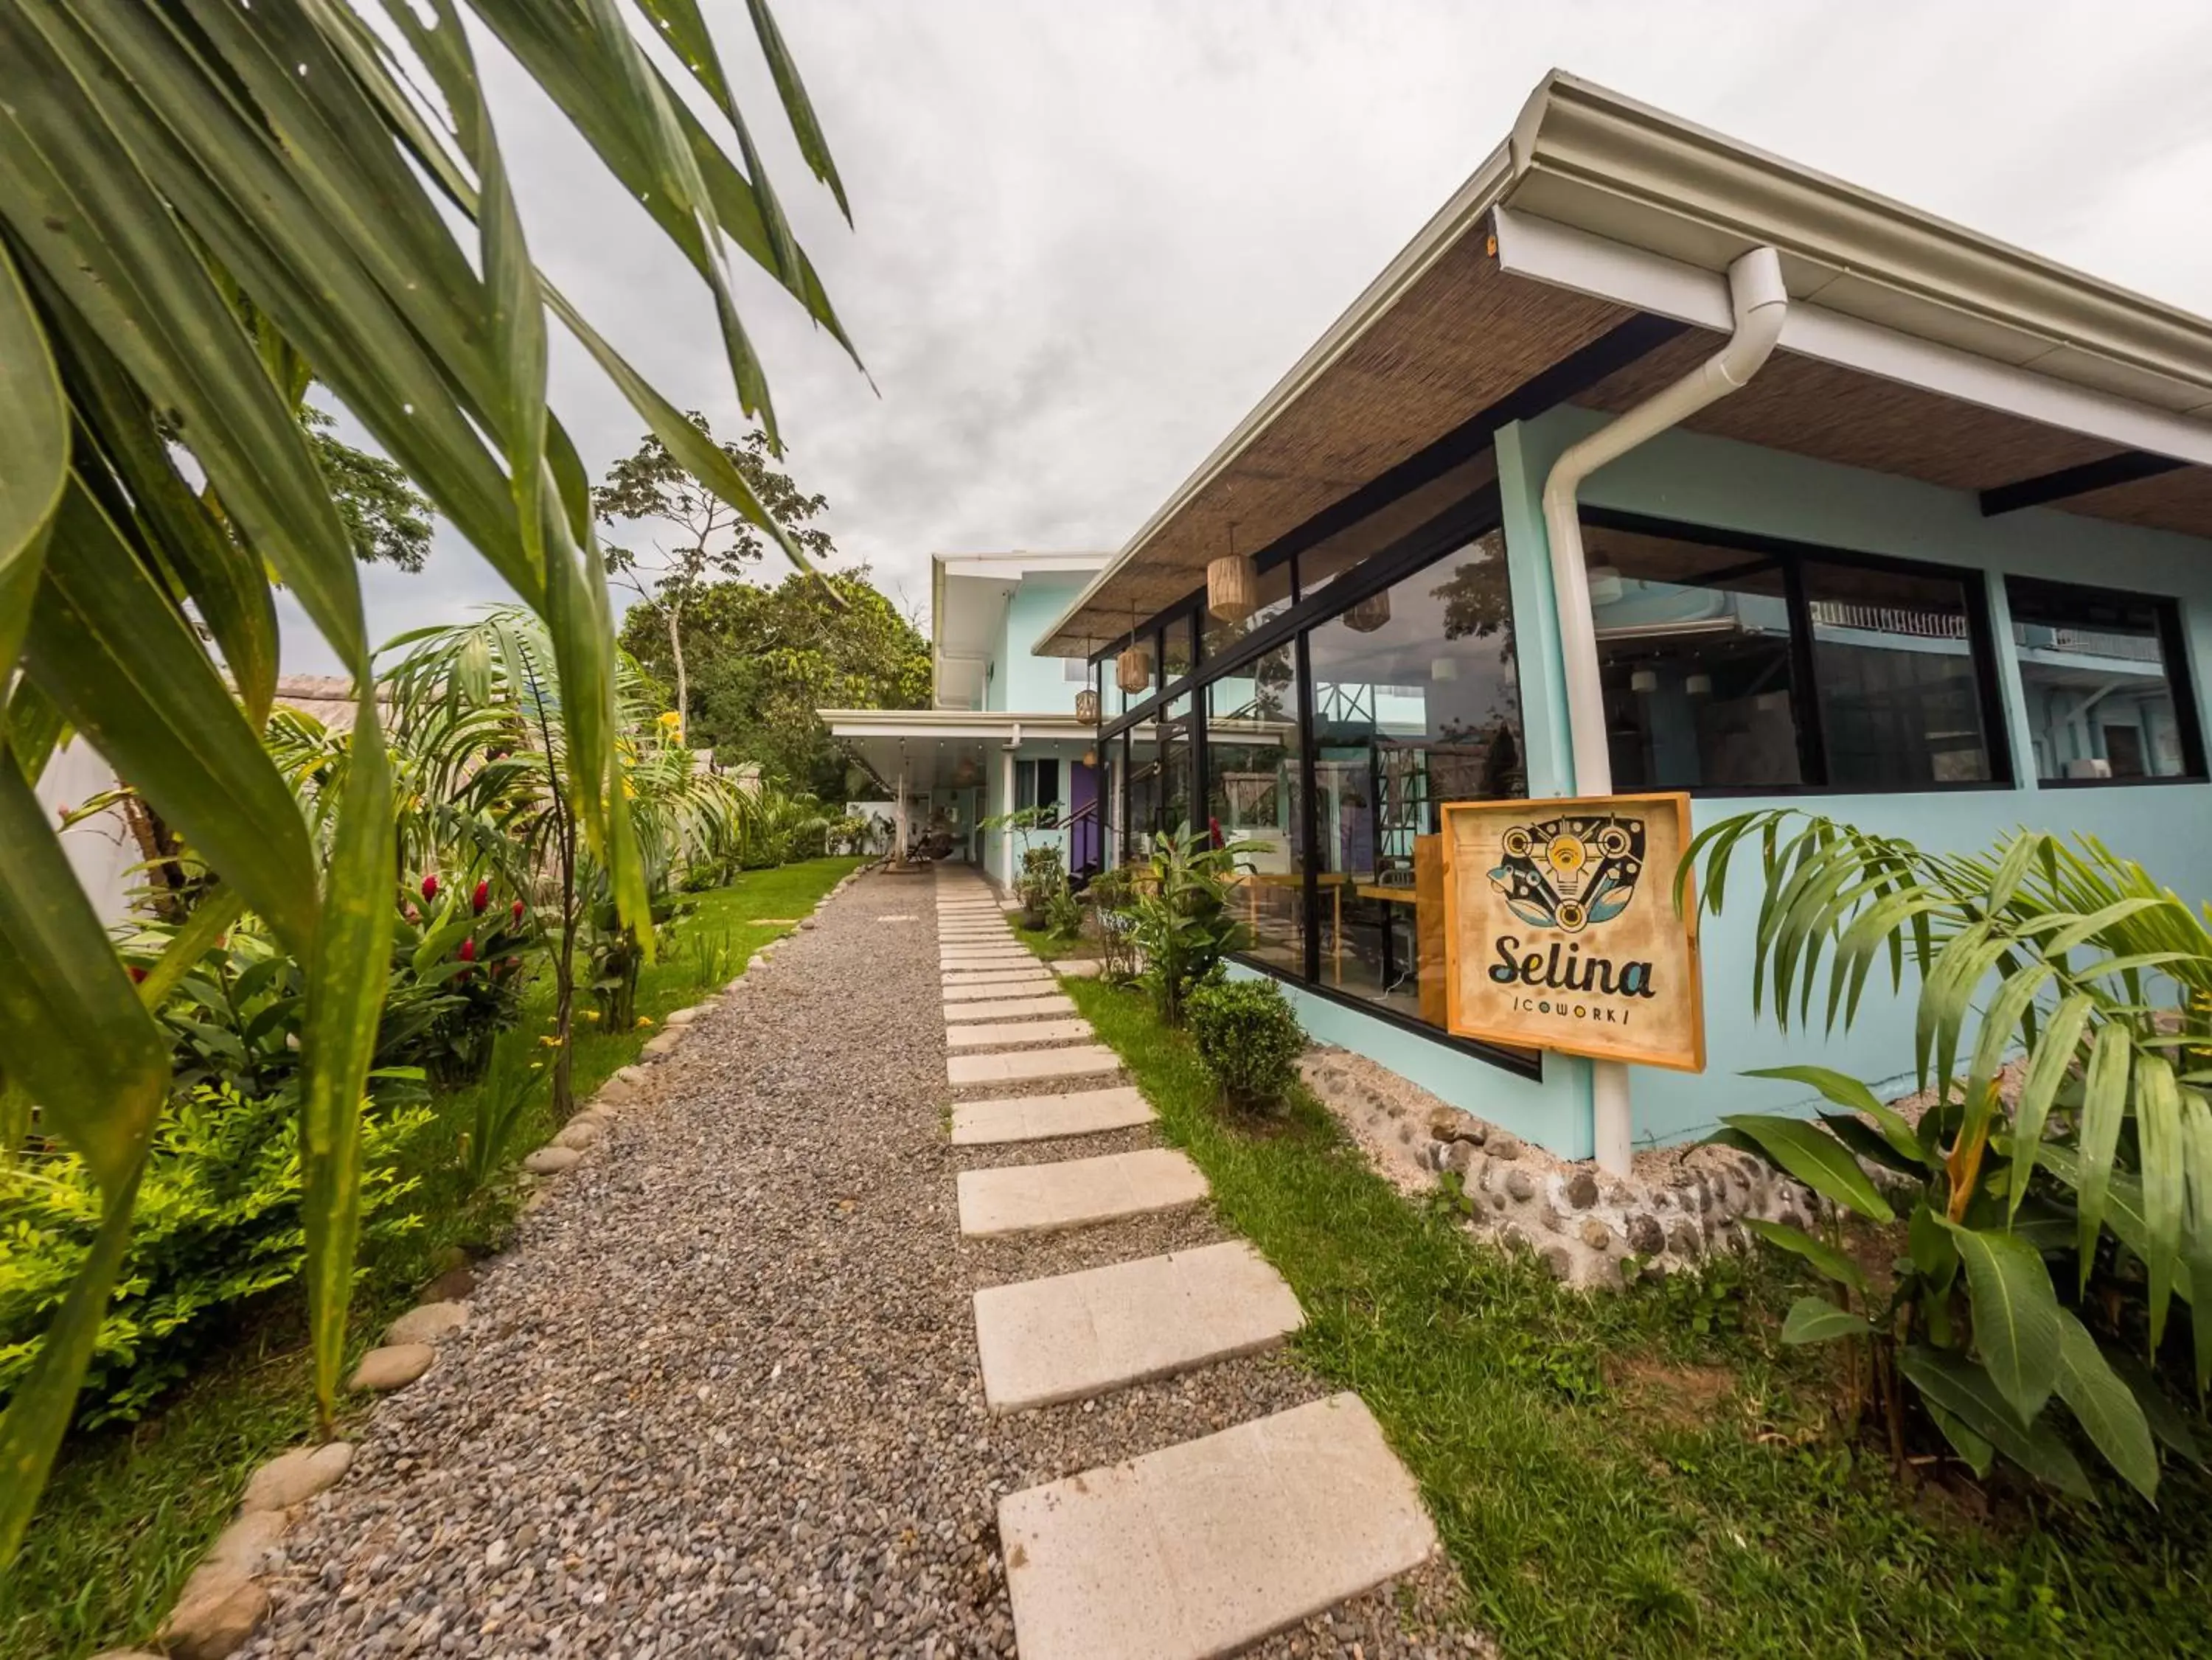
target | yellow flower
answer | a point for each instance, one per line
(548, 1042)
(588, 1014)
(671, 720)
(643, 1021)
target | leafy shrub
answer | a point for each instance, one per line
(217, 1224)
(1113, 926)
(2101, 1169)
(1182, 921)
(1063, 913)
(1249, 1039)
(1043, 875)
(502, 1101)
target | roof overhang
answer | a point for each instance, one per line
(969, 594)
(928, 747)
(1914, 346)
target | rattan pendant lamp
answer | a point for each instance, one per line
(1232, 584)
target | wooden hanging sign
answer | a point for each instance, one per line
(1560, 931)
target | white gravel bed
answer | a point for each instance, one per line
(721, 1398)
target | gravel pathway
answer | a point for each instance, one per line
(721, 1397)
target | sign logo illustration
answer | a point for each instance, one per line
(1569, 872)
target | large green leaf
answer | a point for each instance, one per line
(1816, 1158)
(1823, 1256)
(1817, 1320)
(2048, 1063)
(82, 210)
(2104, 1106)
(1964, 1389)
(2016, 1316)
(800, 113)
(33, 456)
(2104, 1407)
(1853, 1096)
(2158, 1143)
(345, 996)
(109, 647)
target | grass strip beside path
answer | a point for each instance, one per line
(131, 1510)
(1648, 1473)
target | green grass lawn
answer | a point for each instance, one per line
(1613, 1481)
(129, 1512)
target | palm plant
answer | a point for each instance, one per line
(203, 206)
(1182, 921)
(2100, 982)
(478, 717)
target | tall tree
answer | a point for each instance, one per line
(158, 165)
(766, 658)
(704, 536)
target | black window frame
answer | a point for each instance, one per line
(2180, 678)
(1446, 532)
(1792, 555)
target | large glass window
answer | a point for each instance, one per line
(1178, 808)
(1252, 799)
(1036, 784)
(1415, 702)
(1731, 666)
(1894, 669)
(1694, 654)
(1274, 597)
(2105, 683)
(1178, 648)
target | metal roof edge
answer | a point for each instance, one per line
(1577, 131)
(1575, 134)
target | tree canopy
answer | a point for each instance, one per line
(702, 534)
(386, 518)
(764, 659)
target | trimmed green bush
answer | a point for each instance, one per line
(218, 1223)
(1249, 1039)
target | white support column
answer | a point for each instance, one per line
(1007, 805)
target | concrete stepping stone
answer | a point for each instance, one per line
(1074, 1336)
(1205, 1547)
(994, 988)
(1023, 1065)
(1006, 1034)
(1039, 1118)
(1039, 1198)
(1077, 968)
(968, 973)
(965, 937)
(985, 950)
(1009, 1008)
(1011, 960)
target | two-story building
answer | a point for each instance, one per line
(1658, 463)
(1003, 732)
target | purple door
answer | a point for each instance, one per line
(1086, 840)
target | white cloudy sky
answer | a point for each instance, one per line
(1090, 234)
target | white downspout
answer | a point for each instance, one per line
(1007, 805)
(1760, 303)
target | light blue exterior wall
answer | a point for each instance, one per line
(1728, 484)
(1020, 680)
(1022, 684)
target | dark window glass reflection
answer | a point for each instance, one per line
(1416, 702)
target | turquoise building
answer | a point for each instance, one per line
(1658, 463)
(1003, 732)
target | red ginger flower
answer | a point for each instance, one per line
(429, 888)
(481, 898)
(467, 950)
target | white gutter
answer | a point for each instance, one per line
(1760, 304)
